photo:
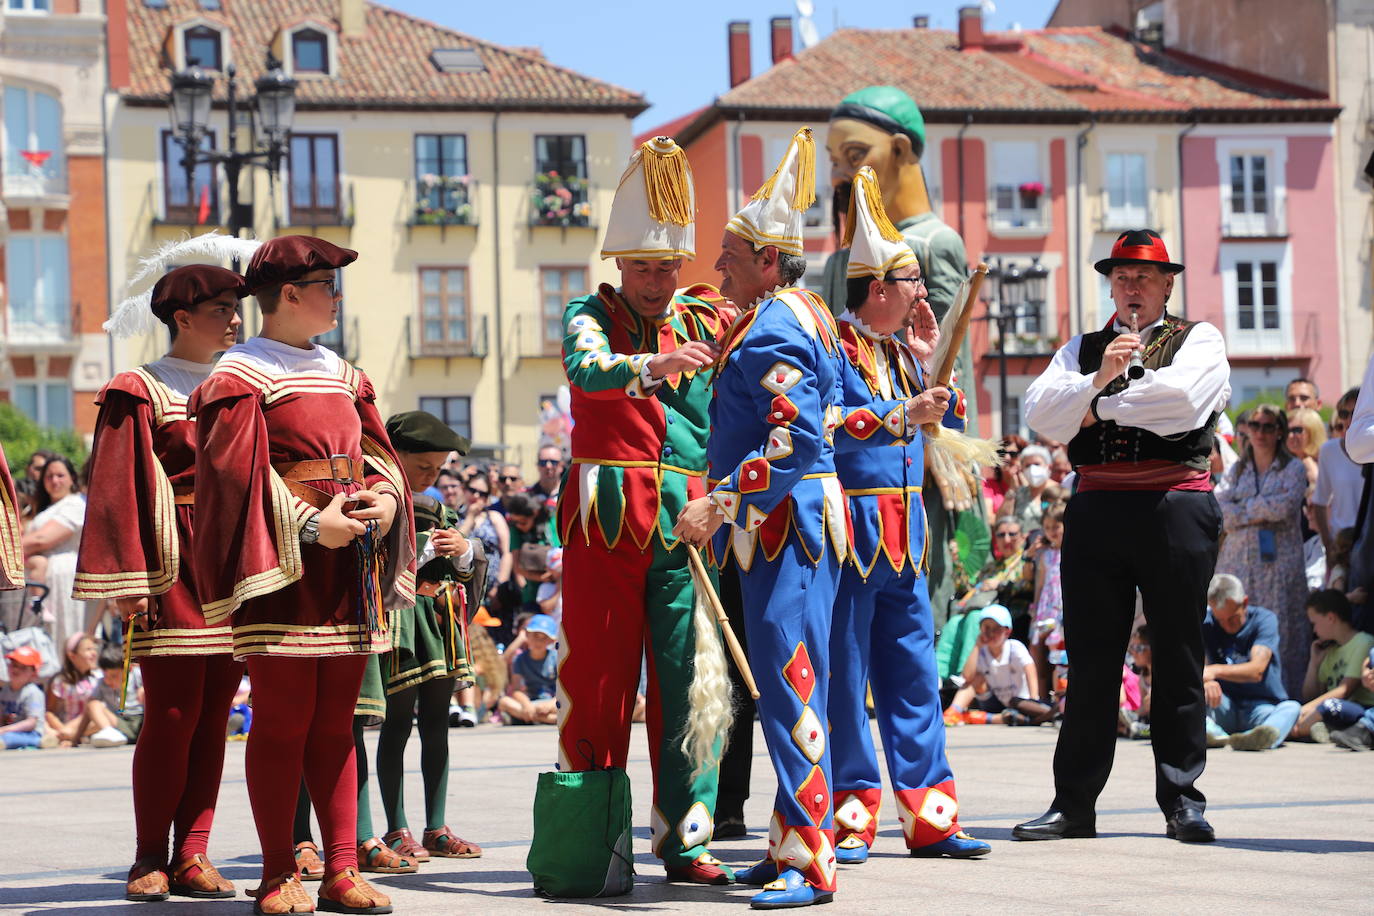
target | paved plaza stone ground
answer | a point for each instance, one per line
(1294, 826)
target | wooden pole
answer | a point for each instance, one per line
(713, 600)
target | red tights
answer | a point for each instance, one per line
(180, 752)
(303, 724)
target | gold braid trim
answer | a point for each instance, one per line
(667, 182)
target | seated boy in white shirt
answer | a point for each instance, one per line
(999, 678)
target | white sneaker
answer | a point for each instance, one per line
(108, 737)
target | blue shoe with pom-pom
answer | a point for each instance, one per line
(789, 890)
(851, 851)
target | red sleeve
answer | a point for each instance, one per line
(11, 551)
(254, 548)
(384, 475)
(132, 549)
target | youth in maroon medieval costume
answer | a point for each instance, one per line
(140, 512)
(289, 443)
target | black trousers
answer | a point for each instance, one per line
(736, 764)
(1165, 545)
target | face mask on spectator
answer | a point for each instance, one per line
(1037, 474)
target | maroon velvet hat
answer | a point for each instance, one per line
(1138, 246)
(189, 286)
(290, 257)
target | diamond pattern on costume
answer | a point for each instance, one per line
(727, 501)
(754, 517)
(794, 853)
(938, 810)
(809, 734)
(590, 340)
(584, 323)
(754, 475)
(800, 673)
(895, 421)
(779, 444)
(781, 378)
(862, 423)
(814, 796)
(695, 827)
(853, 814)
(782, 411)
(825, 859)
(774, 835)
(658, 829)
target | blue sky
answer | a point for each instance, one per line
(674, 53)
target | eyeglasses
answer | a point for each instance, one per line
(478, 492)
(450, 486)
(920, 280)
(1296, 430)
(1139, 647)
(550, 462)
(329, 285)
(1007, 534)
(510, 478)
(1263, 427)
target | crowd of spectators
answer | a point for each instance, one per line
(64, 662)
(1286, 658)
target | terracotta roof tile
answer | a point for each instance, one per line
(388, 66)
(1067, 73)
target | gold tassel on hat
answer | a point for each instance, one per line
(667, 181)
(876, 210)
(804, 195)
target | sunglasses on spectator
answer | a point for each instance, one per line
(1007, 534)
(1296, 430)
(479, 492)
(549, 462)
(1263, 427)
(510, 478)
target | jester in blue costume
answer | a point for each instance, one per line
(883, 631)
(775, 504)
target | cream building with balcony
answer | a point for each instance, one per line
(471, 178)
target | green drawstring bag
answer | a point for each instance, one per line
(581, 844)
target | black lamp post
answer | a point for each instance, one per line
(274, 107)
(1013, 294)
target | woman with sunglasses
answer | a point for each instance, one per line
(1304, 437)
(1262, 544)
(484, 524)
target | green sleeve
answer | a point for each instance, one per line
(587, 355)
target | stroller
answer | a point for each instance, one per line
(33, 635)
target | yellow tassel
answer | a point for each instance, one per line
(452, 630)
(667, 182)
(852, 218)
(873, 194)
(128, 661)
(805, 193)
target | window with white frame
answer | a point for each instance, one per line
(1128, 191)
(1257, 289)
(38, 287)
(47, 403)
(28, 7)
(34, 158)
(1018, 192)
(1253, 187)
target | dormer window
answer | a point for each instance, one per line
(310, 51)
(204, 46)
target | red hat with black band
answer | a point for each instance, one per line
(187, 287)
(1138, 246)
(291, 257)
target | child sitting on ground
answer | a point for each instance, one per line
(1335, 697)
(69, 692)
(999, 678)
(534, 675)
(21, 701)
(128, 713)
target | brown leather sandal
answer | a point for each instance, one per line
(282, 894)
(309, 865)
(442, 842)
(404, 842)
(376, 856)
(348, 892)
(147, 882)
(197, 877)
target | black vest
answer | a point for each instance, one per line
(1106, 441)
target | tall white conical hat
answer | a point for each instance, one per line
(776, 214)
(653, 215)
(875, 245)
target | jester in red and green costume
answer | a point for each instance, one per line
(640, 360)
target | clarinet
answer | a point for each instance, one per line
(1136, 367)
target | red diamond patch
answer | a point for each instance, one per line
(800, 673)
(814, 796)
(862, 423)
(782, 411)
(754, 475)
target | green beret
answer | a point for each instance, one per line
(887, 108)
(418, 431)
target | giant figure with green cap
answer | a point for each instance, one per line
(882, 127)
(640, 360)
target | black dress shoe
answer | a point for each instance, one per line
(1189, 826)
(729, 828)
(1055, 825)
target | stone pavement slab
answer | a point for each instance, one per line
(1294, 828)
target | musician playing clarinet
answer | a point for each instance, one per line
(1142, 518)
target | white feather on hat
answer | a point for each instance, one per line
(652, 217)
(776, 214)
(875, 245)
(134, 315)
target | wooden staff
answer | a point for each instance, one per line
(736, 650)
(960, 329)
